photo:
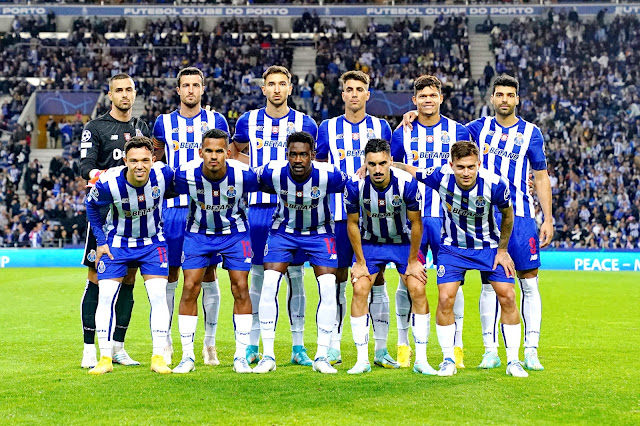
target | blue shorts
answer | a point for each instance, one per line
(524, 244)
(320, 250)
(454, 262)
(378, 255)
(431, 237)
(235, 250)
(260, 217)
(174, 223)
(343, 245)
(151, 259)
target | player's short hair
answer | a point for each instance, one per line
(427, 81)
(190, 71)
(121, 76)
(138, 142)
(355, 75)
(377, 145)
(304, 137)
(462, 149)
(277, 69)
(215, 134)
(505, 80)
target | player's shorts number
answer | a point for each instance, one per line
(162, 253)
(532, 245)
(331, 245)
(246, 248)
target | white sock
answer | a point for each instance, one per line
(106, 316)
(187, 325)
(117, 346)
(458, 313)
(489, 318)
(89, 347)
(531, 310)
(268, 310)
(420, 325)
(446, 337)
(159, 318)
(257, 277)
(403, 310)
(211, 309)
(296, 303)
(336, 334)
(511, 334)
(171, 295)
(360, 331)
(379, 311)
(242, 327)
(326, 314)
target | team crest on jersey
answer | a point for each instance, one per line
(155, 192)
(355, 136)
(91, 257)
(299, 193)
(139, 132)
(441, 271)
(445, 138)
(430, 139)
(127, 136)
(370, 134)
(204, 126)
(429, 171)
(101, 267)
(231, 192)
(481, 202)
(216, 193)
(519, 140)
(396, 201)
(504, 137)
(275, 130)
(86, 135)
(315, 192)
(291, 128)
(382, 203)
(141, 198)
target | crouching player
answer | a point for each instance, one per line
(472, 240)
(302, 223)
(389, 201)
(216, 225)
(134, 237)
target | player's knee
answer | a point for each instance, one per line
(445, 301)
(240, 291)
(361, 290)
(190, 291)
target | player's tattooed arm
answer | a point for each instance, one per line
(414, 267)
(407, 168)
(506, 227)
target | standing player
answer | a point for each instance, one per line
(134, 194)
(511, 148)
(389, 201)
(341, 141)
(265, 132)
(302, 226)
(216, 225)
(427, 145)
(471, 240)
(178, 135)
(102, 147)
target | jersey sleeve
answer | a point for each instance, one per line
(412, 197)
(144, 128)
(180, 184)
(221, 122)
(397, 147)
(242, 129)
(501, 196)
(386, 130)
(309, 125)
(168, 174)
(322, 143)
(264, 175)
(337, 181)
(462, 133)
(89, 149)
(159, 139)
(474, 128)
(430, 177)
(99, 196)
(352, 196)
(535, 153)
(250, 179)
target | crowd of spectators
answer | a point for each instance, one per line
(579, 83)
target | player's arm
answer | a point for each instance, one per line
(97, 198)
(240, 139)
(502, 257)
(543, 191)
(407, 120)
(265, 179)
(407, 168)
(322, 143)
(359, 268)
(89, 152)
(414, 267)
(159, 139)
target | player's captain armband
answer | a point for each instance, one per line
(95, 178)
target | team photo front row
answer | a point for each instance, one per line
(384, 225)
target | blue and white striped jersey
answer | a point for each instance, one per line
(425, 147)
(267, 139)
(304, 207)
(182, 136)
(469, 221)
(384, 213)
(342, 143)
(134, 217)
(511, 152)
(217, 207)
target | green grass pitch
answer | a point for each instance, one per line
(589, 347)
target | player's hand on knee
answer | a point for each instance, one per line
(416, 270)
(359, 270)
(101, 251)
(503, 258)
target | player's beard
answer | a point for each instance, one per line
(506, 113)
(193, 104)
(280, 102)
(124, 109)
